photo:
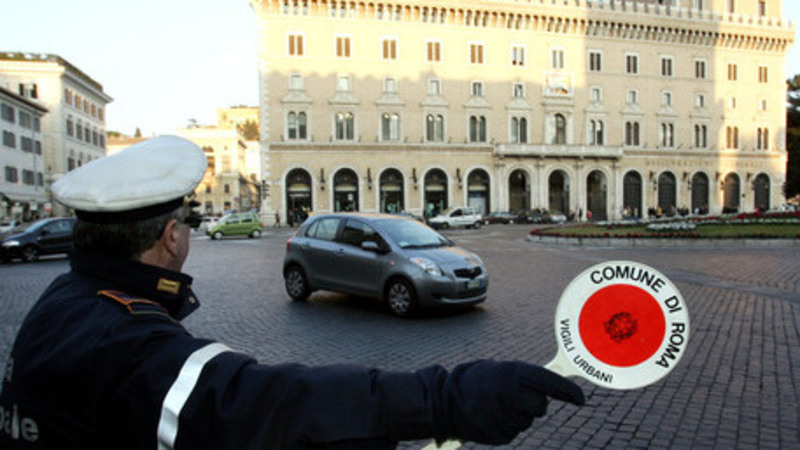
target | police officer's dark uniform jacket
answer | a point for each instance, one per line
(102, 362)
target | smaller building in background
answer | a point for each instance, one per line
(22, 187)
(227, 186)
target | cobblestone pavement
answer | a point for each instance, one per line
(738, 386)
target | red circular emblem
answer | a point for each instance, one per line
(622, 325)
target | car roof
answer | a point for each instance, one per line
(367, 217)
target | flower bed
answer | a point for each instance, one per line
(770, 225)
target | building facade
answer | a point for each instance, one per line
(74, 130)
(227, 185)
(618, 108)
(22, 190)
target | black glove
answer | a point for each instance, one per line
(490, 402)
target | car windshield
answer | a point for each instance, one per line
(410, 234)
(33, 226)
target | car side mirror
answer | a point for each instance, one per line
(370, 246)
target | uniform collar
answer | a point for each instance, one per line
(173, 290)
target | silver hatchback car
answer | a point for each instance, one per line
(398, 260)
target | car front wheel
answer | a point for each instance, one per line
(401, 298)
(30, 254)
(216, 235)
(296, 283)
(477, 225)
(255, 234)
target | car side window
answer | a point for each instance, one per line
(247, 219)
(324, 229)
(51, 227)
(355, 233)
(457, 213)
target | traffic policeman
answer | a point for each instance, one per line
(102, 362)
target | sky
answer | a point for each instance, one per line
(167, 62)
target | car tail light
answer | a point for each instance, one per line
(289, 243)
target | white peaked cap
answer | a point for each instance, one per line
(144, 180)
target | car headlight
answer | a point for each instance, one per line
(12, 243)
(427, 265)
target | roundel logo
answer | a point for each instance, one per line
(622, 325)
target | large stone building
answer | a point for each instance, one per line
(22, 191)
(614, 107)
(73, 132)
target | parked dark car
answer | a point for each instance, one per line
(400, 261)
(43, 237)
(504, 217)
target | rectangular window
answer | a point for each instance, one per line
(26, 144)
(700, 101)
(518, 90)
(667, 135)
(731, 6)
(762, 8)
(296, 82)
(295, 42)
(389, 49)
(11, 174)
(666, 66)
(762, 74)
(342, 46)
(595, 61)
(700, 69)
(633, 97)
(28, 177)
(517, 55)
(557, 58)
(389, 85)
(632, 64)
(434, 86)
(24, 119)
(666, 98)
(476, 53)
(733, 72)
(434, 51)
(8, 113)
(9, 139)
(343, 84)
(700, 136)
(477, 89)
(595, 94)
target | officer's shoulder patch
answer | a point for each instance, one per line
(135, 305)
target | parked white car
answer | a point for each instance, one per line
(8, 225)
(459, 216)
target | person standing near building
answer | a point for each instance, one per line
(101, 361)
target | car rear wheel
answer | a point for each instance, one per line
(255, 234)
(401, 298)
(477, 225)
(296, 283)
(30, 254)
(216, 235)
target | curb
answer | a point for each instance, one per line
(659, 242)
